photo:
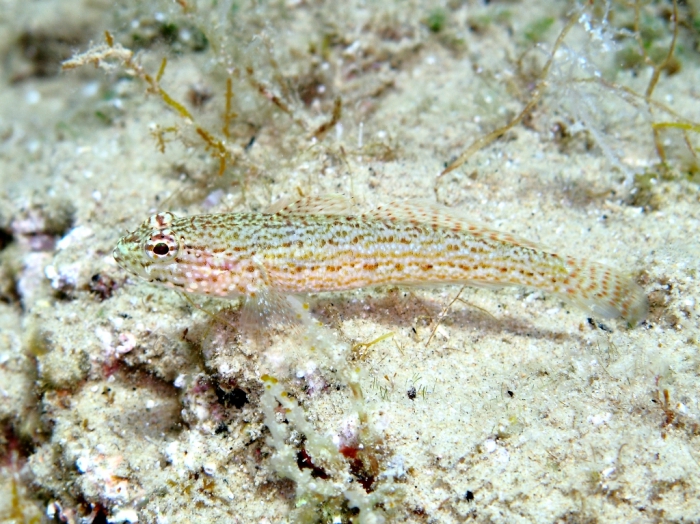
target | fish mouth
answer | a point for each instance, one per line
(118, 255)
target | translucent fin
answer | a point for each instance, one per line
(632, 305)
(424, 212)
(595, 308)
(639, 306)
(316, 205)
(269, 308)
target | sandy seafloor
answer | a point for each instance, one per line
(121, 402)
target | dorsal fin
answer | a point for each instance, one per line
(331, 204)
(418, 211)
(424, 212)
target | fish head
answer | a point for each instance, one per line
(150, 251)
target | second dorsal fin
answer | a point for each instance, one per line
(423, 212)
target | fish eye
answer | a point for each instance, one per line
(161, 249)
(161, 245)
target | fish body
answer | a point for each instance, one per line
(324, 244)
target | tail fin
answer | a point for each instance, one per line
(604, 292)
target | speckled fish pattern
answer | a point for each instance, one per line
(322, 244)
